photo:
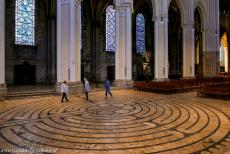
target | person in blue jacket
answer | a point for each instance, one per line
(107, 87)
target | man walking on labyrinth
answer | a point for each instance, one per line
(64, 90)
(107, 87)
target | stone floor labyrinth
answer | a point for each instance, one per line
(130, 122)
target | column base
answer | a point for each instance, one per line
(123, 83)
(188, 77)
(3, 90)
(73, 87)
(160, 79)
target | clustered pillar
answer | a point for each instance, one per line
(161, 47)
(69, 44)
(188, 51)
(3, 90)
(123, 53)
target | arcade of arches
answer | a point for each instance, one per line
(179, 39)
(181, 45)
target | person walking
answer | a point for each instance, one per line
(107, 87)
(86, 88)
(64, 90)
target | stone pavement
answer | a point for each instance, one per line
(131, 122)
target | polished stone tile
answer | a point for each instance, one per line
(131, 122)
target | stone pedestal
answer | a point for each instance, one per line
(3, 90)
(123, 83)
(74, 87)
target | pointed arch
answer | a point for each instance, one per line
(201, 9)
(165, 8)
(110, 29)
(181, 7)
(140, 33)
(175, 39)
(25, 22)
(198, 43)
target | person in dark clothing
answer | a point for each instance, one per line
(86, 88)
(64, 90)
(107, 87)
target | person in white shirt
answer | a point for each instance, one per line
(64, 90)
(86, 88)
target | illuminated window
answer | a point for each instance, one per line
(110, 29)
(24, 22)
(140, 33)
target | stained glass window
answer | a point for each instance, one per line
(24, 22)
(110, 29)
(140, 33)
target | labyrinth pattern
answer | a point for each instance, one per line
(122, 125)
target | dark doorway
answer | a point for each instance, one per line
(175, 52)
(24, 74)
(198, 44)
(111, 72)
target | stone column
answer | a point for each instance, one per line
(69, 44)
(211, 40)
(161, 48)
(3, 90)
(123, 55)
(51, 38)
(226, 59)
(188, 51)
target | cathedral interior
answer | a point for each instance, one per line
(37, 63)
(168, 63)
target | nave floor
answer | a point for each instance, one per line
(131, 122)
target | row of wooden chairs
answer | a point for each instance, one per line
(175, 86)
(220, 91)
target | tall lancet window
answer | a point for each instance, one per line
(140, 33)
(24, 22)
(110, 29)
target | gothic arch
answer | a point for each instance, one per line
(202, 11)
(175, 39)
(143, 63)
(198, 52)
(166, 4)
(103, 10)
(180, 5)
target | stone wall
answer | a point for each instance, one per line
(95, 58)
(18, 54)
